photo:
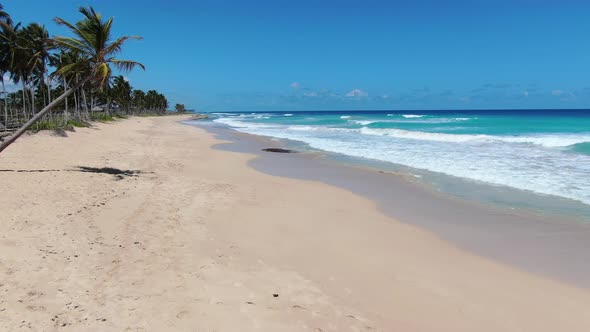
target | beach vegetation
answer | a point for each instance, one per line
(180, 108)
(66, 81)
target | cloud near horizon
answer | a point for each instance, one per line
(304, 98)
(357, 93)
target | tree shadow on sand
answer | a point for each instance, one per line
(119, 174)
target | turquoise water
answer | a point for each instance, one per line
(544, 151)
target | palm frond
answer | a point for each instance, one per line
(86, 38)
(103, 73)
(126, 65)
(117, 45)
(67, 69)
(70, 44)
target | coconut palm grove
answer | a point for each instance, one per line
(67, 81)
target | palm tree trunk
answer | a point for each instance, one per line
(77, 110)
(66, 109)
(49, 90)
(5, 105)
(24, 100)
(38, 116)
(85, 104)
(32, 90)
(41, 86)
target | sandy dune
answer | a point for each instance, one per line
(188, 238)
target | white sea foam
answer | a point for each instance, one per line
(345, 117)
(302, 128)
(253, 116)
(363, 122)
(235, 122)
(534, 162)
(544, 140)
(319, 129)
(418, 135)
(410, 116)
(415, 120)
(288, 114)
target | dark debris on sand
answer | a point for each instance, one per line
(278, 150)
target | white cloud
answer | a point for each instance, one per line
(357, 93)
(8, 83)
(295, 85)
(564, 95)
(310, 94)
(7, 79)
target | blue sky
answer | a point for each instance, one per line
(315, 55)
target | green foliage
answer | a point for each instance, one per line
(55, 124)
(121, 92)
(48, 66)
(155, 101)
(92, 40)
(102, 117)
(77, 123)
(150, 113)
(180, 108)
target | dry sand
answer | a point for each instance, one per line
(198, 241)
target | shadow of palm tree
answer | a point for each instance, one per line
(116, 172)
(30, 170)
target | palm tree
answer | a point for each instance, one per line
(20, 54)
(71, 76)
(92, 41)
(121, 92)
(179, 108)
(6, 38)
(139, 100)
(41, 45)
(4, 16)
(30, 56)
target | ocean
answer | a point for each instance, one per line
(545, 152)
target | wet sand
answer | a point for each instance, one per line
(554, 246)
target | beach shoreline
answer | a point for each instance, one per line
(452, 152)
(523, 238)
(193, 237)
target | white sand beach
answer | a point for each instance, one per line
(189, 238)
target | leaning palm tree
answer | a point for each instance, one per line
(91, 40)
